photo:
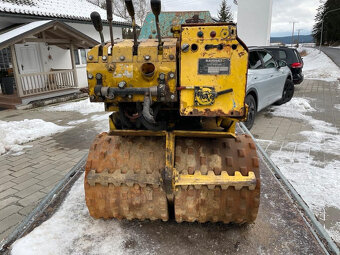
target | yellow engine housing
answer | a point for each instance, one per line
(210, 80)
(214, 68)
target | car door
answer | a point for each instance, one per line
(274, 78)
(255, 78)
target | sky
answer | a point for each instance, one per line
(284, 12)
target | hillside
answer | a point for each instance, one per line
(288, 39)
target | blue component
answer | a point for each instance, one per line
(200, 34)
(167, 20)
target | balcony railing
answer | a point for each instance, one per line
(38, 83)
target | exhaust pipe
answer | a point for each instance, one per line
(131, 11)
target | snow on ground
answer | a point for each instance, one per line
(85, 107)
(71, 230)
(337, 106)
(296, 108)
(76, 122)
(315, 179)
(15, 133)
(319, 66)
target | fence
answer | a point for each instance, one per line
(38, 83)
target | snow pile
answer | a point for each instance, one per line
(337, 106)
(102, 122)
(296, 108)
(71, 230)
(15, 133)
(85, 107)
(316, 182)
(319, 66)
(76, 122)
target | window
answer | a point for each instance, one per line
(76, 57)
(282, 54)
(268, 60)
(5, 59)
(83, 56)
(254, 60)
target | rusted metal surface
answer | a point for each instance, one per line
(126, 176)
(131, 158)
(167, 20)
(214, 203)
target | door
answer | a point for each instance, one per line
(28, 58)
(274, 78)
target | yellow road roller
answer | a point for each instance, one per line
(172, 150)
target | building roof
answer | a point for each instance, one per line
(78, 10)
(48, 31)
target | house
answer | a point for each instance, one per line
(43, 46)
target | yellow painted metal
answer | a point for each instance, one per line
(224, 180)
(121, 65)
(229, 104)
(169, 164)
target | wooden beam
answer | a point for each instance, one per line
(47, 40)
(74, 68)
(16, 72)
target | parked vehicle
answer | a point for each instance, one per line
(269, 81)
(292, 58)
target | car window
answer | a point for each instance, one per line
(268, 60)
(297, 55)
(282, 54)
(254, 60)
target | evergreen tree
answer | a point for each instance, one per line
(224, 14)
(331, 28)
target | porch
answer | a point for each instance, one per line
(43, 61)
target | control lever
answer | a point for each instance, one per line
(98, 25)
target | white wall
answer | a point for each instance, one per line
(254, 21)
(53, 57)
(89, 30)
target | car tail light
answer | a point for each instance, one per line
(296, 65)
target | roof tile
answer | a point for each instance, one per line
(70, 9)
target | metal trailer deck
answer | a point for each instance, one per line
(284, 224)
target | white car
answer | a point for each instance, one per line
(269, 81)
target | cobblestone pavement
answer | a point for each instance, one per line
(283, 134)
(25, 179)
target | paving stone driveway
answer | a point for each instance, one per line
(27, 178)
(278, 134)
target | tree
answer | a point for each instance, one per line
(331, 28)
(224, 14)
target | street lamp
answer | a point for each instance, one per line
(323, 18)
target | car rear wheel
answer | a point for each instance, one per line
(287, 94)
(250, 101)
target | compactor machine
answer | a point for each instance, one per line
(172, 150)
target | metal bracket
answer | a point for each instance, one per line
(211, 180)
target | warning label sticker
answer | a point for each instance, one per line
(213, 66)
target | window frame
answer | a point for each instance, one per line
(258, 55)
(275, 61)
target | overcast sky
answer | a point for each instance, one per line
(284, 12)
